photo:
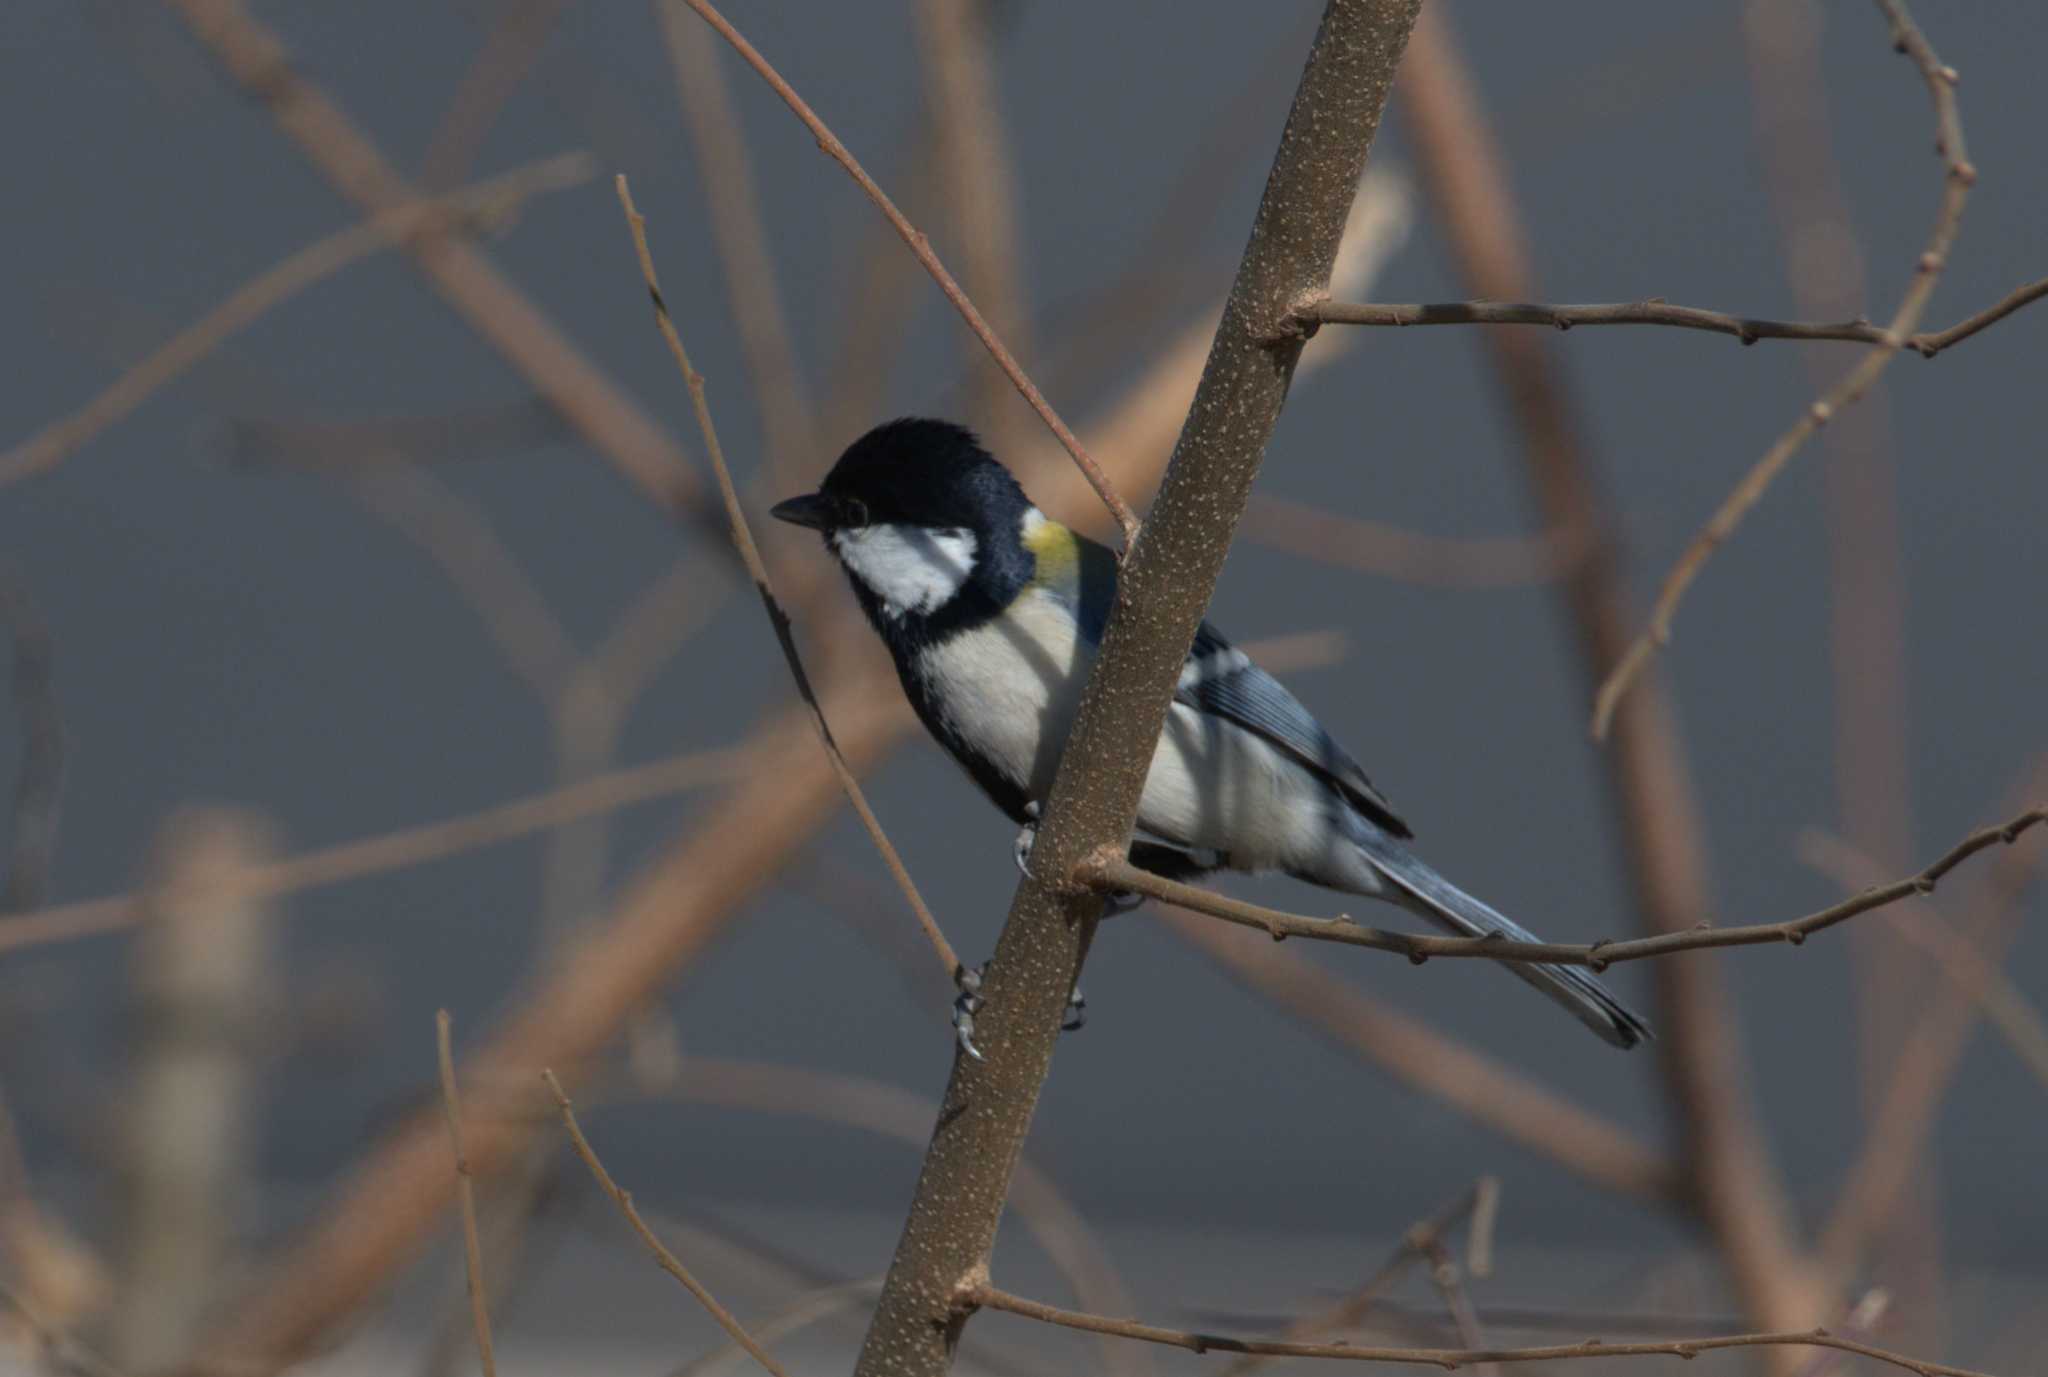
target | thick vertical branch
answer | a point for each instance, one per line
(1165, 586)
(1731, 1180)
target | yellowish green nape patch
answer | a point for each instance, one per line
(1057, 549)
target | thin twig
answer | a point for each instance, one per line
(1959, 175)
(990, 1298)
(668, 1260)
(315, 263)
(1115, 873)
(2004, 1003)
(1347, 1313)
(409, 846)
(750, 555)
(465, 1195)
(1657, 311)
(725, 170)
(921, 246)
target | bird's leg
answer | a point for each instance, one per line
(969, 1004)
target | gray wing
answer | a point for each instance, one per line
(1220, 679)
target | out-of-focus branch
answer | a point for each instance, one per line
(31, 844)
(1163, 589)
(1729, 1177)
(518, 35)
(408, 846)
(921, 247)
(1422, 1238)
(1657, 311)
(778, 620)
(988, 1297)
(1958, 177)
(668, 1261)
(1043, 1210)
(1112, 874)
(203, 983)
(465, 1197)
(782, 401)
(1374, 547)
(2005, 1006)
(487, 300)
(455, 534)
(1476, 1086)
(1930, 1051)
(964, 113)
(391, 226)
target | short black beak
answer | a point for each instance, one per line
(813, 509)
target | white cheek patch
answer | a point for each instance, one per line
(910, 568)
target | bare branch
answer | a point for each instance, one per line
(1374, 547)
(921, 246)
(988, 1297)
(782, 400)
(31, 843)
(750, 555)
(488, 301)
(1958, 177)
(1112, 873)
(465, 1195)
(1164, 587)
(1468, 1081)
(408, 846)
(1657, 311)
(668, 1260)
(315, 263)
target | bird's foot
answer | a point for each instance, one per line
(1027, 837)
(970, 1003)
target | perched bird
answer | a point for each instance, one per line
(993, 612)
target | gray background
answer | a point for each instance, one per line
(257, 637)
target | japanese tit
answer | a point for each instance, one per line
(993, 612)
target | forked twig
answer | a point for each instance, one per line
(1958, 177)
(668, 1261)
(750, 555)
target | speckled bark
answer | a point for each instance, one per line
(1165, 588)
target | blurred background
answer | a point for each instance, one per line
(391, 566)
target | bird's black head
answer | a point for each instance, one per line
(913, 472)
(927, 525)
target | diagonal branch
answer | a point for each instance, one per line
(316, 262)
(921, 246)
(1959, 175)
(1168, 575)
(750, 555)
(1111, 873)
(668, 1260)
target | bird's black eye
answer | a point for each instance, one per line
(853, 512)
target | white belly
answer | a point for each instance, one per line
(1014, 687)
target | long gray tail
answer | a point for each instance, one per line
(1417, 887)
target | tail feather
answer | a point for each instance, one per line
(1418, 887)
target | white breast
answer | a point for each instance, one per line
(1012, 687)
(1012, 684)
(910, 568)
